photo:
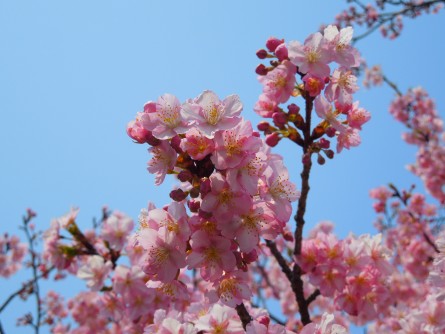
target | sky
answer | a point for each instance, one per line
(74, 73)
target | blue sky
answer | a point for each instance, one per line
(73, 73)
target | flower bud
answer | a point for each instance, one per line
(320, 159)
(324, 143)
(176, 144)
(205, 187)
(261, 69)
(272, 43)
(293, 109)
(178, 195)
(261, 54)
(272, 139)
(281, 52)
(330, 132)
(263, 126)
(264, 320)
(329, 153)
(194, 205)
(185, 176)
(279, 119)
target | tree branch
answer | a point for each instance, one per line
(243, 315)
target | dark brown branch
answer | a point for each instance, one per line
(280, 259)
(313, 296)
(298, 288)
(243, 315)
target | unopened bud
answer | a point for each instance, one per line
(261, 54)
(263, 126)
(324, 143)
(176, 144)
(264, 320)
(261, 69)
(318, 132)
(185, 176)
(272, 43)
(272, 139)
(281, 52)
(330, 132)
(320, 160)
(279, 119)
(329, 153)
(178, 195)
(293, 109)
(194, 205)
(194, 192)
(204, 187)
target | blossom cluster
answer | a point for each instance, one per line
(12, 252)
(386, 15)
(233, 192)
(417, 111)
(310, 63)
(352, 272)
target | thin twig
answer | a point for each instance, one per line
(313, 296)
(23, 288)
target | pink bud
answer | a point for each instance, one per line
(261, 69)
(264, 320)
(329, 153)
(205, 187)
(330, 132)
(250, 257)
(281, 52)
(279, 119)
(293, 109)
(273, 42)
(150, 107)
(320, 160)
(324, 143)
(262, 54)
(178, 195)
(185, 176)
(176, 144)
(151, 140)
(263, 126)
(272, 139)
(194, 205)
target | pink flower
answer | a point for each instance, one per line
(312, 57)
(95, 271)
(210, 114)
(220, 319)
(234, 147)
(341, 87)
(347, 138)
(277, 190)
(212, 254)
(265, 106)
(324, 110)
(339, 45)
(222, 201)
(231, 289)
(163, 259)
(165, 118)
(357, 116)
(116, 229)
(326, 326)
(196, 144)
(314, 85)
(279, 83)
(163, 161)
